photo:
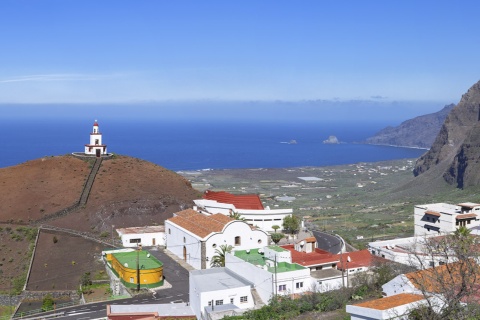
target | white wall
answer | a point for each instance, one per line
(146, 239)
(177, 238)
(250, 239)
(399, 284)
(264, 281)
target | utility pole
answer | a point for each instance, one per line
(139, 248)
(275, 265)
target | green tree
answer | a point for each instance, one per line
(48, 302)
(275, 228)
(276, 237)
(218, 260)
(291, 224)
(235, 215)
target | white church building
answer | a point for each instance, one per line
(96, 146)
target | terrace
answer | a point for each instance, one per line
(257, 258)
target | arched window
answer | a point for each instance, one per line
(238, 241)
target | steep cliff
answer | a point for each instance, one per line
(418, 132)
(455, 153)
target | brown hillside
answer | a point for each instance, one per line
(131, 192)
(38, 187)
(126, 192)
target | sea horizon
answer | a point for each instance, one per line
(190, 145)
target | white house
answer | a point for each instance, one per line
(269, 273)
(218, 289)
(194, 237)
(411, 251)
(248, 206)
(442, 218)
(96, 147)
(394, 307)
(147, 236)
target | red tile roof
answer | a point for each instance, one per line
(199, 224)
(466, 216)
(240, 201)
(362, 258)
(318, 257)
(391, 301)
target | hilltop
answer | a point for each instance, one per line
(126, 192)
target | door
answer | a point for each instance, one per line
(153, 241)
(184, 253)
(97, 152)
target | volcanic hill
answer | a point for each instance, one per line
(126, 192)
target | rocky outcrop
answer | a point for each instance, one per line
(455, 153)
(419, 132)
(331, 140)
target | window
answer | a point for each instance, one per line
(282, 287)
(218, 302)
(244, 299)
(238, 241)
(135, 241)
(169, 231)
(432, 264)
(299, 285)
(259, 241)
(184, 240)
(210, 303)
(231, 300)
(131, 279)
(214, 245)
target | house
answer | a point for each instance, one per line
(150, 311)
(393, 307)
(147, 236)
(219, 290)
(411, 251)
(270, 272)
(135, 268)
(443, 218)
(195, 237)
(248, 206)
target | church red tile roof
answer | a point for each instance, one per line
(200, 224)
(240, 201)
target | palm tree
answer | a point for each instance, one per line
(218, 260)
(235, 215)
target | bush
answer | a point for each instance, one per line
(48, 302)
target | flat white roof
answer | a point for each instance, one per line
(310, 178)
(440, 207)
(140, 230)
(215, 279)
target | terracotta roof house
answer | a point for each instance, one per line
(394, 307)
(249, 206)
(195, 237)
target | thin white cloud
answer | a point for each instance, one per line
(59, 77)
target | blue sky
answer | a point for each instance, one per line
(57, 51)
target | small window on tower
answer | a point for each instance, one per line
(96, 141)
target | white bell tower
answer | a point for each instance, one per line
(95, 147)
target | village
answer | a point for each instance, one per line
(238, 253)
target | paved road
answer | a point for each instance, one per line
(328, 242)
(174, 273)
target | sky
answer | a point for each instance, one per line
(115, 51)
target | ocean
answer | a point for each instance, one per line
(196, 145)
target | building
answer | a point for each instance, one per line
(126, 265)
(219, 290)
(248, 206)
(146, 236)
(443, 218)
(150, 311)
(195, 237)
(96, 146)
(270, 272)
(394, 307)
